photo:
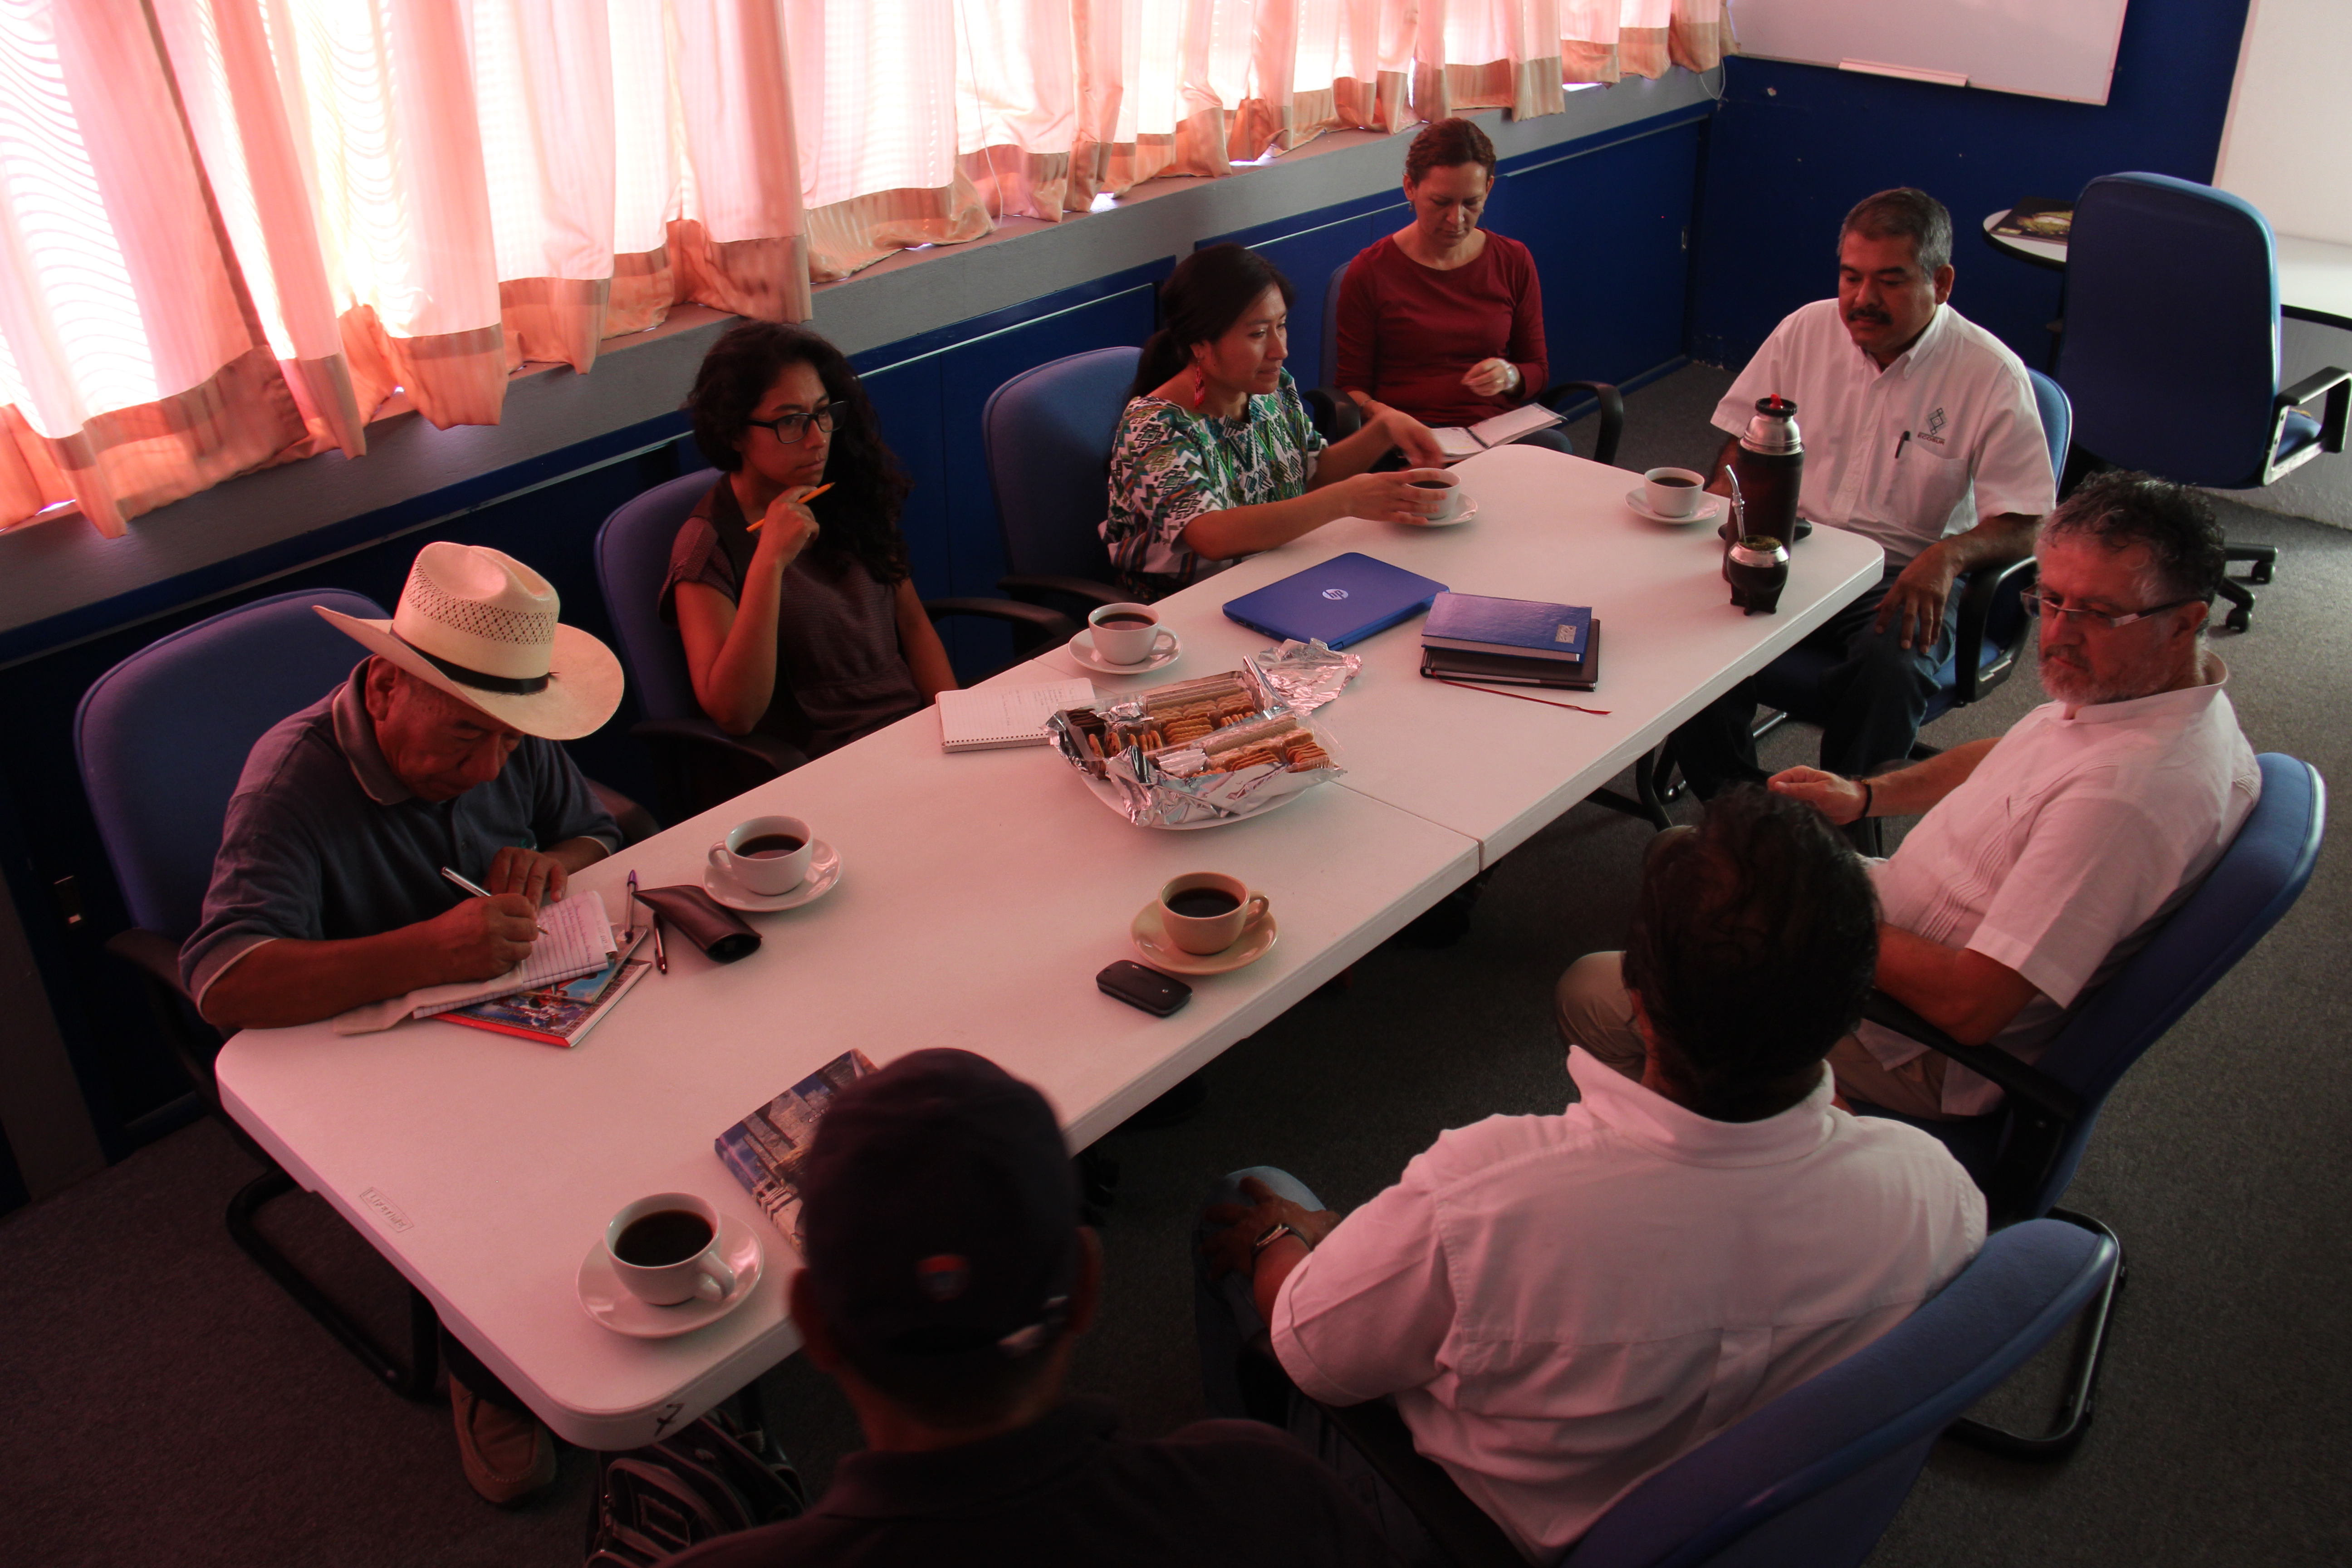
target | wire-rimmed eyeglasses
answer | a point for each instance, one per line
(793, 428)
(2037, 603)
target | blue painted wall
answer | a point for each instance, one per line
(1608, 219)
(1793, 147)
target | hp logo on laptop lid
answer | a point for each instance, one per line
(1335, 593)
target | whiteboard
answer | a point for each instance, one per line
(2050, 49)
(2288, 147)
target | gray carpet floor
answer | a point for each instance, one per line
(163, 1404)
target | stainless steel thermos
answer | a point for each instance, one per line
(1769, 466)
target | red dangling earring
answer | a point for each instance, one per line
(1200, 385)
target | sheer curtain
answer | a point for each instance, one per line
(231, 229)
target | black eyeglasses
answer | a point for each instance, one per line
(2038, 604)
(792, 428)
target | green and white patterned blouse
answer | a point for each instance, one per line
(1169, 466)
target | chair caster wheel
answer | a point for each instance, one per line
(2238, 620)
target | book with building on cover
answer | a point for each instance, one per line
(989, 717)
(766, 1148)
(2039, 217)
(560, 1014)
(1518, 628)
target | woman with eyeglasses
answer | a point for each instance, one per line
(797, 610)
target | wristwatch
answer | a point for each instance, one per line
(1272, 1236)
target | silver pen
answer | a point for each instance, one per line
(482, 894)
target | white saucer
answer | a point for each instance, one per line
(611, 1303)
(1469, 511)
(1152, 940)
(1082, 648)
(1709, 506)
(824, 871)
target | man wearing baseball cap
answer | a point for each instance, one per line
(947, 1282)
(438, 751)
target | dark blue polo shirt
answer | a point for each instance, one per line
(323, 842)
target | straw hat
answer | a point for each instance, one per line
(481, 626)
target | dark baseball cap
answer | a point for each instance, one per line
(940, 1213)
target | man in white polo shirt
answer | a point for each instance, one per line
(1921, 435)
(2050, 856)
(1562, 1305)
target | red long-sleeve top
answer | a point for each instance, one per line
(1407, 332)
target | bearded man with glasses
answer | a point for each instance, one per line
(2047, 857)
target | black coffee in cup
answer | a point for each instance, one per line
(1432, 484)
(771, 846)
(1204, 903)
(1674, 481)
(1123, 622)
(662, 1238)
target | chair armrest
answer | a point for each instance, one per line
(1046, 623)
(781, 756)
(2022, 1082)
(1028, 589)
(1977, 600)
(2337, 383)
(1612, 412)
(153, 954)
(636, 822)
(1463, 1529)
(1334, 414)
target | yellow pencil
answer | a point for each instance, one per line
(761, 522)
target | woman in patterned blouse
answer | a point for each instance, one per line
(1214, 457)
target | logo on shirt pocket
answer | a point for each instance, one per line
(1933, 430)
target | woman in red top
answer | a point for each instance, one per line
(1442, 320)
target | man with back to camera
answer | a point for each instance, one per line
(1562, 1305)
(439, 749)
(2051, 855)
(946, 1281)
(1921, 435)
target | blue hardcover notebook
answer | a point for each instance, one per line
(1526, 628)
(1345, 599)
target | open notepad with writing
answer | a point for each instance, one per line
(990, 717)
(576, 938)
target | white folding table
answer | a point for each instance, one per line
(979, 895)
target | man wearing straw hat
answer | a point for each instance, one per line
(328, 892)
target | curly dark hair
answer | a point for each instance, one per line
(1755, 937)
(1199, 302)
(859, 517)
(1445, 143)
(2120, 509)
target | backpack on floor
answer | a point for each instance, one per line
(710, 1478)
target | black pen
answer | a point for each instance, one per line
(631, 923)
(1900, 445)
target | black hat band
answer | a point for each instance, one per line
(506, 685)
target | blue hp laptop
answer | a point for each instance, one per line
(1344, 600)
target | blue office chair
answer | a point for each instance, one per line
(697, 763)
(1047, 433)
(2023, 1154)
(1815, 1476)
(1611, 402)
(161, 738)
(2170, 347)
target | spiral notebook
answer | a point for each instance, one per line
(993, 717)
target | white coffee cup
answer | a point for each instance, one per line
(1672, 492)
(1131, 635)
(672, 1257)
(1440, 484)
(753, 856)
